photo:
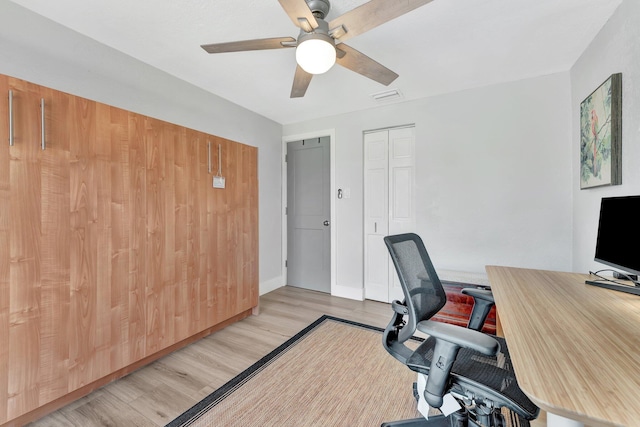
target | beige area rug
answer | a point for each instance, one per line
(332, 373)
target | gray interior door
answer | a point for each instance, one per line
(308, 214)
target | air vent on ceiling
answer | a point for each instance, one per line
(387, 95)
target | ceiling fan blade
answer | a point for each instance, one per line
(371, 14)
(300, 82)
(299, 12)
(362, 64)
(257, 44)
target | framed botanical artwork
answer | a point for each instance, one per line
(600, 135)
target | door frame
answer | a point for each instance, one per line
(331, 133)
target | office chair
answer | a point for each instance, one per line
(474, 367)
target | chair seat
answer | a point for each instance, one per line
(489, 376)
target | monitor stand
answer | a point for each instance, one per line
(630, 289)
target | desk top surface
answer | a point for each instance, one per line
(575, 347)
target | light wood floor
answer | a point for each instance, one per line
(156, 394)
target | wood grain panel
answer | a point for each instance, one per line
(193, 236)
(215, 203)
(242, 297)
(200, 194)
(233, 247)
(181, 185)
(120, 236)
(249, 226)
(234, 222)
(211, 235)
(103, 190)
(137, 238)
(208, 237)
(574, 347)
(55, 263)
(114, 246)
(24, 236)
(155, 242)
(171, 138)
(83, 243)
(225, 243)
(204, 187)
(4, 248)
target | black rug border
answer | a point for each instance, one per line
(196, 411)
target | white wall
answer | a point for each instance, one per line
(615, 49)
(38, 50)
(493, 176)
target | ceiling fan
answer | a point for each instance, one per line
(320, 44)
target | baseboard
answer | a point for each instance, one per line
(348, 292)
(271, 285)
(464, 277)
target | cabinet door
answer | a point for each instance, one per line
(219, 200)
(248, 227)
(194, 216)
(87, 350)
(113, 243)
(137, 228)
(181, 200)
(158, 228)
(25, 236)
(54, 247)
(4, 245)
(34, 248)
(209, 240)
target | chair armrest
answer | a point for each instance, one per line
(449, 340)
(462, 337)
(479, 293)
(399, 307)
(482, 303)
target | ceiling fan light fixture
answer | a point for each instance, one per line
(316, 53)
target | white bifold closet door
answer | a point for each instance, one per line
(389, 205)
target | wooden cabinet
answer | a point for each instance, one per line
(114, 246)
(458, 308)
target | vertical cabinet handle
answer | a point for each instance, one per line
(43, 143)
(11, 118)
(375, 227)
(209, 156)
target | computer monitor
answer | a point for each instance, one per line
(619, 233)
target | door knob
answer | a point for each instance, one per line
(326, 223)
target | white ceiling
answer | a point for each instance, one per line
(444, 46)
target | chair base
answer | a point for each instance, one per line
(435, 421)
(453, 420)
(457, 419)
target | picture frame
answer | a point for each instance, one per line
(601, 135)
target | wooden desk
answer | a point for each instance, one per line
(575, 348)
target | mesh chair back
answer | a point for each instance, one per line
(423, 292)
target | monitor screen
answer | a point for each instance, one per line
(619, 232)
